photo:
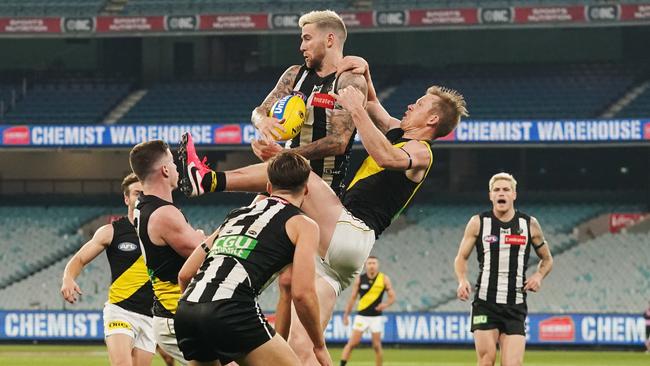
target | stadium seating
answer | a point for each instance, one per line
(523, 91)
(68, 101)
(418, 255)
(208, 102)
(50, 7)
(638, 108)
(34, 237)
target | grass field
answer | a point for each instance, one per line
(48, 355)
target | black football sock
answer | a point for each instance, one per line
(214, 181)
(343, 362)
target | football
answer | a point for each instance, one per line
(292, 109)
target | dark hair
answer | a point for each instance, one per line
(144, 155)
(288, 171)
(127, 181)
(372, 257)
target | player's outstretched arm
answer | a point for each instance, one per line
(413, 155)
(89, 251)
(464, 251)
(350, 304)
(388, 285)
(534, 282)
(194, 261)
(171, 228)
(341, 124)
(378, 114)
(260, 116)
(304, 233)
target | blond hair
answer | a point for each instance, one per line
(325, 19)
(503, 176)
(451, 108)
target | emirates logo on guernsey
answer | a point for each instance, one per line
(515, 240)
(323, 100)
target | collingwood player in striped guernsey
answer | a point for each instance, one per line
(128, 326)
(503, 238)
(326, 137)
(218, 318)
(400, 158)
(166, 238)
(370, 287)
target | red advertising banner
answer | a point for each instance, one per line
(357, 20)
(234, 22)
(130, 24)
(557, 329)
(30, 25)
(635, 12)
(442, 17)
(618, 221)
(550, 14)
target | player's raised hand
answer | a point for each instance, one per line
(354, 64)
(70, 290)
(265, 149)
(350, 98)
(463, 291)
(323, 356)
(534, 283)
(267, 127)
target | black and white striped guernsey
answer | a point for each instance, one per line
(315, 90)
(251, 249)
(503, 249)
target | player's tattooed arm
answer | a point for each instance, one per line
(534, 282)
(260, 117)
(341, 125)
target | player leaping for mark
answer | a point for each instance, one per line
(400, 159)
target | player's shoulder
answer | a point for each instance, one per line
(166, 215)
(104, 235)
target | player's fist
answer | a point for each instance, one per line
(70, 290)
(265, 149)
(534, 283)
(346, 319)
(463, 291)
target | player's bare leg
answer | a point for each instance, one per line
(353, 342)
(485, 342)
(512, 349)
(298, 338)
(119, 349)
(379, 351)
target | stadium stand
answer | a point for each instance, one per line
(638, 107)
(83, 100)
(35, 237)
(50, 7)
(418, 254)
(521, 91)
(207, 102)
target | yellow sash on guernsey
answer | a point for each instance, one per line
(167, 294)
(129, 282)
(373, 294)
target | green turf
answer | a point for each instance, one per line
(28, 355)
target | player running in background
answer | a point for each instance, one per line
(370, 288)
(503, 238)
(128, 322)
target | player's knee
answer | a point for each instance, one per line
(377, 347)
(486, 358)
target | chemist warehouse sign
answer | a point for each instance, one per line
(420, 328)
(595, 131)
